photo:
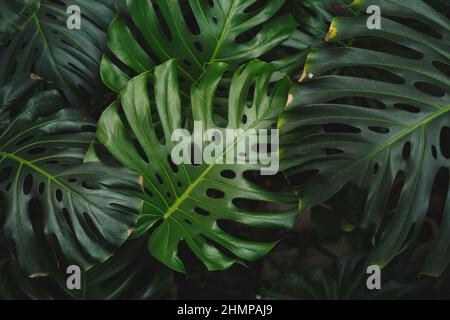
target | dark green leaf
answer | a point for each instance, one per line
(178, 206)
(52, 204)
(44, 45)
(196, 32)
(385, 127)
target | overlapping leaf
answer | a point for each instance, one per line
(187, 203)
(39, 41)
(14, 15)
(385, 128)
(130, 274)
(196, 32)
(53, 207)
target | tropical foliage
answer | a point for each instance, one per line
(86, 122)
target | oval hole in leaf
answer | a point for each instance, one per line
(198, 46)
(382, 130)
(36, 216)
(59, 195)
(41, 188)
(5, 173)
(406, 151)
(162, 22)
(215, 194)
(228, 174)
(396, 190)
(407, 107)
(442, 67)
(429, 89)
(445, 142)
(66, 216)
(189, 17)
(158, 177)
(434, 152)
(28, 184)
(340, 128)
(201, 211)
(376, 167)
(37, 150)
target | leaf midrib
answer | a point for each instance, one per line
(174, 207)
(46, 174)
(394, 140)
(47, 46)
(224, 32)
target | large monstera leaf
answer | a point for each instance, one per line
(130, 274)
(54, 208)
(385, 130)
(40, 42)
(197, 32)
(188, 203)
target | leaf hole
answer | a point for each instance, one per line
(445, 142)
(407, 107)
(376, 168)
(27, 184)
(5, 173)
(189, 17)
(215, 194)
(396, 190)
(158, 177)
(406, 151)
(37, 150)
(164, 27)
(202, 211)
(382, 130)
(198, 46)
(228, 174)
(429, 89)
(340, 128)
(59, 195)
(434, 152)
(41, 187)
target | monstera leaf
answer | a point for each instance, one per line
(196, 32)
(44, 45)
(189, 203)
(52, 205)
(313, 18)
(385, 124)
(130, 274)
(14, 14)
(313, 15)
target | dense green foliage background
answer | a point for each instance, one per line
(85, 171)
